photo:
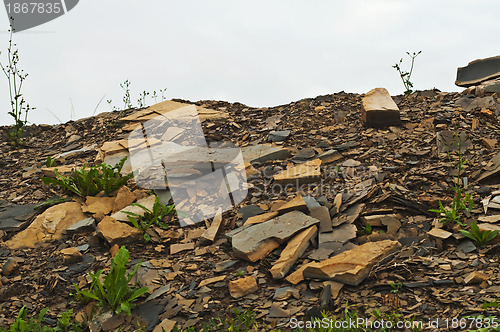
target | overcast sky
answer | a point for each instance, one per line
(260, 53)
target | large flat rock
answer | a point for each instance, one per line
(379, 109)
(263, 152)
(478, 71)
(48, 226)
(254, 242)
(350, 267)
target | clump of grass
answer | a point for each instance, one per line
(115, 292)
(150, 217)
(93, 180)
(481, 238)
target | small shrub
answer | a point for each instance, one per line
(64, 324)
(116, 291)
(149, 218)
(50, 162)
(406, 75)
(89, 182)
(19, 108)
(480, 237)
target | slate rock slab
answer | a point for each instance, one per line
(379, 110)
(254, 242)
(478, 71)
(14, 217)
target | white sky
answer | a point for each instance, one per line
(260, 53)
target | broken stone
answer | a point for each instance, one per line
(335, 287)
(392, 223)
(284, 293)
(249, 211)
(83, 226)
(211, 233)
(71, 255)
(178, 247)
(16, 217)
(166, 325)
(211, 281)
(350, 215)
(304, 154)
(489, 143)
(293, 250)
(278, 136)
(260, 218)
(116, 232)
(439, 233)
(476, 277)
(254, 242)
(124, 197)
(330, 156)
(48, 226)
(277, 312)
(490, 219)
(466, 246)
(478, 71)
(379, 110)
(342, 233)
(448, 141)
(350, 267)
(323, 215)
(263, 152)
(9, 267)
(99, 205)
(295, 204)
(376, 219)
(311, 202)
(62, 170)
(309, 171)
(243, 286)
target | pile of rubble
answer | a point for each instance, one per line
(339, 192)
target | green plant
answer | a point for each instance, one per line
(367, 229)
(91, 181)
(142, 99)
(485, 324)
(50, 162)
(115, 292)
(126, 97)
(396, 287)
(19, 108)
(237, 321)
(493, 304)
(406, 75)
(461, 201)
(64, 324)
(51, 202)
(150, 217)
(480, 237)
(239, 273)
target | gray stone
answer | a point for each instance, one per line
(323, 215)
(10, 266)
(83, 226)
(342, 234)
(478, 71)
(466, 246)
(284, 293)
(15, 217)
(279, 136)
(330, 156)
(254, 242)
(263, 152)
(249, 211)
(277, 312)
(311, 202)
(304, 155)
(448, 141)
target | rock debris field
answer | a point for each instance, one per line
(337, 209)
